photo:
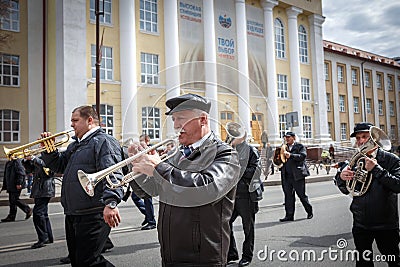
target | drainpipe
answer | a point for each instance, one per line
(44, 68)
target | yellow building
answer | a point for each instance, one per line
(260, 62)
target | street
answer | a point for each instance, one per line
(302, 242)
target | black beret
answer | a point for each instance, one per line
(188, 102)
(290, 134)
(361, 127)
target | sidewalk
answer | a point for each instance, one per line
(274, 179)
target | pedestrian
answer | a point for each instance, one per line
(29, 168)
(93, 150)
(375, 213)
(270, 155)
(293, 174)
(145, 205)
(43, 189)
(264, 138)
(246, 205)
(332, 151)
(196, 188)
(14, 179)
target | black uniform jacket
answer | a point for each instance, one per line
(296, 165)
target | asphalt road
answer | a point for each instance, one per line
(302, 242)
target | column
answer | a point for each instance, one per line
(243, 66)
(210, 65)
(321, 130)
(272, 92)
(292, 13)
(172, 77)
(129, 118)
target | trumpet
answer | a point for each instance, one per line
(50, 145)
(89, 181)
(234, 131)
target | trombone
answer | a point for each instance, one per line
(89, 181)
(49, 142)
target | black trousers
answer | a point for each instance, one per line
(387, 242)
(86, 236)
(41, 219)
(246, 209)
(15, 202)
(290, 186)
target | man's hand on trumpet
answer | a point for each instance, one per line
(145, 163)
(347, 174)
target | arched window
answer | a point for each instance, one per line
(9, 126)
(303, 45)
(279, 39)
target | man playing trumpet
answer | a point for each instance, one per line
(375, 213)
(196, 188)
(93, 150)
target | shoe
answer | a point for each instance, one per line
(38, 245)
(232, 258)
(48, 241)
(148, 227)
(310, 215)
(28, 214)
(8, 219)
(244, 262)
(65, 260)
(286, 219)
(144, 222)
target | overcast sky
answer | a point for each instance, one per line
(369, 25)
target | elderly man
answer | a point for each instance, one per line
(293, 174)
(375, 213)
(196, 188)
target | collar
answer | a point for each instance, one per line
(201, 141)
(88, 133)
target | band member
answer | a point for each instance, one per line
(196, 188)
(92, 151)
(246, 206)
(375, 213)
(293, 174)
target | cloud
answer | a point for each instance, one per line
(373, 26)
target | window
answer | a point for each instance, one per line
(279, 39)
(149, 68)
(343, 131)
(378, 81)
(106, 118)
(282, 125)
(106, 17)
(326, 71)
(382, 127)
(256, 116)
(391, 108)
(392, 132)
(354, 77)
(380, 107)
(342, 103)
(305, 89)
(303, 46)
(390, 83)
(106, 67)
(9, 20)
(356, 102)
(368, 105)
(328, 102)
(307, 131)
(148, 15)
(367, 78)
(151, 122)
(282, 86)
(9, 70)
(340, 74)
(9, 126)
(227, 115)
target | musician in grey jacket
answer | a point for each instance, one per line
(196, 188)
(375, 213)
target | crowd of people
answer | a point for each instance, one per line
(202, 189)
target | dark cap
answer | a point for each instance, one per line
(361, 127)
(290, 134)
(187, 102)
